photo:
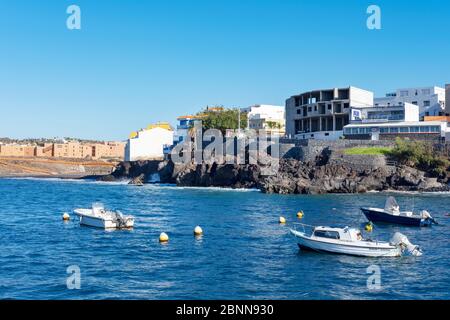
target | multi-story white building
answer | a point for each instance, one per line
(431, 100)
(266, 117)
(322, 114)
(149, 144)
(405, 112)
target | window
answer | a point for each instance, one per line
(384, 130)
(346, 105)
(326, 134)
(424, 129)
(414, 129)
(309, 109)
(299, 111)
(354, 130)
(393, 130)
(426, 103)
(404, 129)
(404, 93)
(315, 108)
(329, 107)
(327, 234)
(415, 103)
(435, 129)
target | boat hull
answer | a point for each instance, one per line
(385, 217)
(98, 222)
(367, 250)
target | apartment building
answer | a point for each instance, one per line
(68, 150)
(431, 100)
(322, 114)
(16, 150)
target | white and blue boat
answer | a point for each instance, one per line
(349, 241)
(392, 214)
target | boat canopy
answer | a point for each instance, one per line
(392, 206)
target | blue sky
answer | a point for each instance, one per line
(136, 62)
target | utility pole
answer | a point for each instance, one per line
(239, 121)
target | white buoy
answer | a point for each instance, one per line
(198, 231)
(66, 216)
(163, 237)
(282, 220)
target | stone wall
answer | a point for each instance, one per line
(359, 162)
(309, 150)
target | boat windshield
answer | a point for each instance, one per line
(327, 234)
(98, 207)
(392, 206)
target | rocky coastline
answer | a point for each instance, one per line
(294, 177)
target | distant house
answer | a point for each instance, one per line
(149, 143)
(266, 117)
(184, 125)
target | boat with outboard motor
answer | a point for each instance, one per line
(350, 241)
(392, 214)
(99, 217)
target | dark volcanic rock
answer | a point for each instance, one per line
(138, 181)
(293, 177)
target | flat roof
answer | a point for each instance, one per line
(396, 124)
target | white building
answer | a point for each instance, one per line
(149, 144)
(431, 100)
(185, 123)
(322, 114)
(405, 112)
(414, 130)
(266, 117)
(447, 99)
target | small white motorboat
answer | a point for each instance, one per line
(350, 241)
(98, 217)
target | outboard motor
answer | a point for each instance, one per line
(401, 240)
(427, 216)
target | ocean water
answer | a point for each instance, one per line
(244, 253)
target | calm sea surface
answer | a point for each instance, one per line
(244, 253)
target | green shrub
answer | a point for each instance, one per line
(419, 155)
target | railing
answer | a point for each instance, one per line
(305, 228)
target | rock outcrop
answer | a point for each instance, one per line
(293, 177)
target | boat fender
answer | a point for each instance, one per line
(369, 227)
(282, 220)
(65, 216)
(300, 214)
